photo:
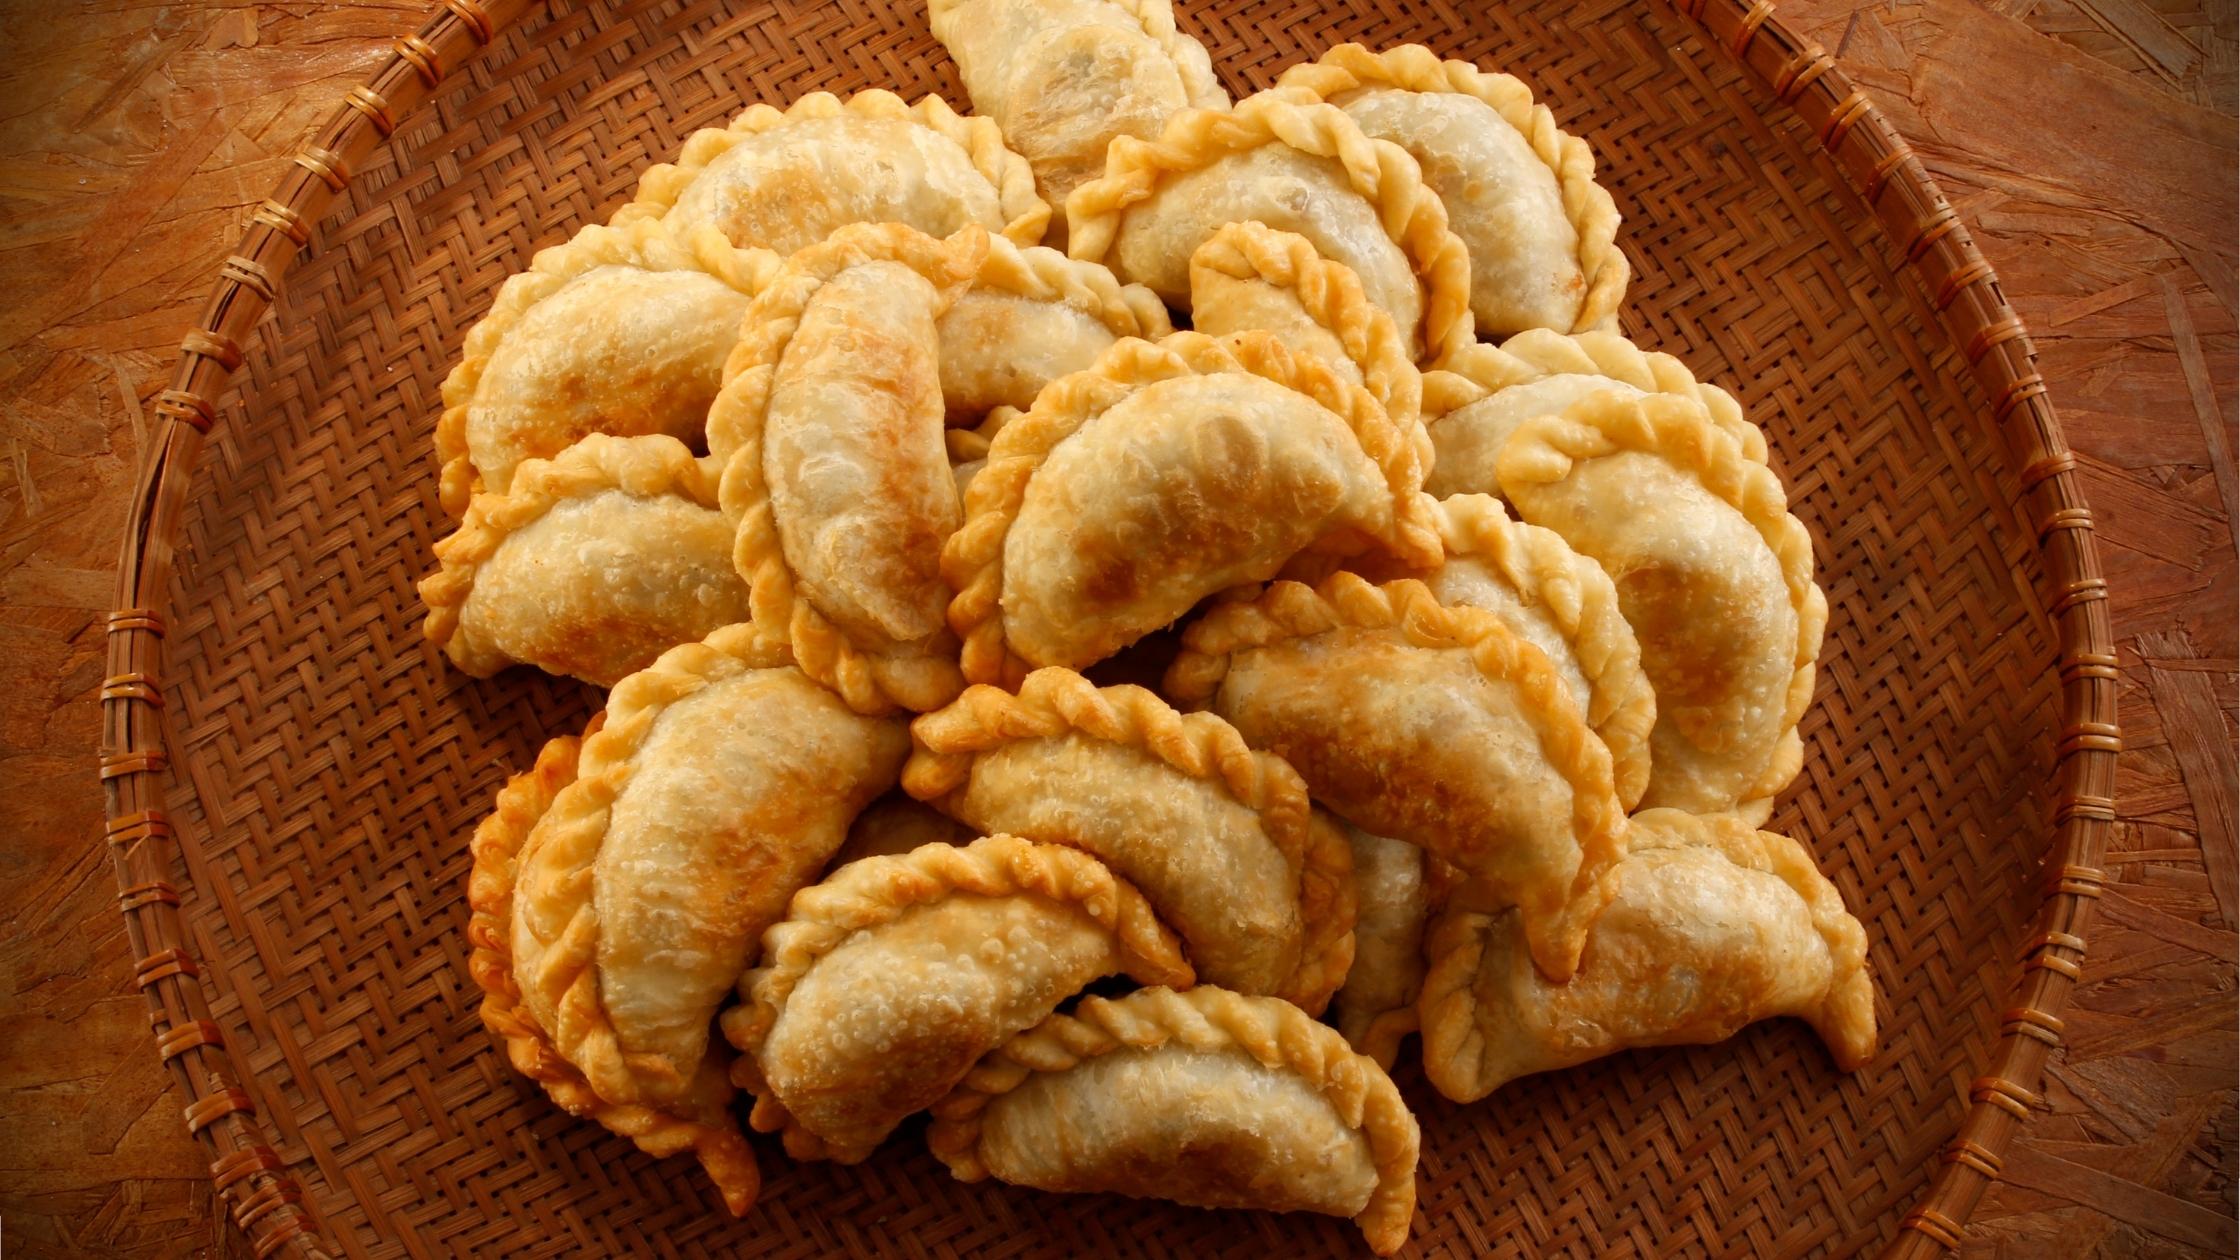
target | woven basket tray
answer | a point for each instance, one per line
(291, 773)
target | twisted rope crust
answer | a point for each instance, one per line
(1199, 85)
(872, 678)
(966, 445)
(1412, 214)
(1041, 274)
(647, 246)
(565, 974)
(873, 891)
(714, 1137)
(1484, 370)
(972, 560)
(1271, 1032)
(1587, 204)
(1330, 294)
(1026, 214)
(1541, 567)
(649, 467)
(1680, 431)
(1329, 905)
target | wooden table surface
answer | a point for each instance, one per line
(2090, 143)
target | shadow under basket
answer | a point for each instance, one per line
(292, 773)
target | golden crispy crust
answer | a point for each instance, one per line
(1593, 215)
(1026, 214)
(973, 559)
(1329, 902)
(1272, 1032)
(1042, 274)
(713, 1136)
(1382, 172)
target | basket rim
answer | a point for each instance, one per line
(264, 1198)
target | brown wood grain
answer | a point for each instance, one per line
(2090, 143)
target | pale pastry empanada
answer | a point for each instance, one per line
(1204, 1097)
(896, 824)
(1248, 275)
(1432, 724)
(968, 448)
(1711, 925)
(1518, 191)
(1377, 1005)
(785, 180)
(1162, 475)
(884, 984)
(620, 330)
(723, 780)
(1479, 398)
(698, 1120)
(1215, 835)
(1063, 77)
(1304, 168)
(1031, 316)
(829, 433)
(1712, 572)
(589, 564)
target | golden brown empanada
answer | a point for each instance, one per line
(1204, 1097)
(1518, 191)
(1215, 835)
(1248, 275)
(620, 330)
(589, 564)
(723, 780)
(697, 1120)
(1063, 77)
(1712, 572)
(884, 984)
(1162, 475)
(896, 824)
(1432, 724)
(1711, 925)
(1304, 168)
(829, 433)
(785, 180)
(1031, 316)
(1377, 1005)
(1479, 398)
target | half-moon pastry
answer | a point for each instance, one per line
(1376, 1007)
(1030, 316)
(896, 824)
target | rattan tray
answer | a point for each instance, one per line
(291, 774)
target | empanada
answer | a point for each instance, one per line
(1248, 275)
(1432, 724)
(1377, 1005)
(1063, 77)
(829, 432)
(1304, 168)
(620, 330)
(1711, 925)
(699, 1119)
(1712, 572)
(1162, 475)
(1477, 400)
(723, 780)
(1215, 835)
(896, 824)
(1518, 191)
(1030, 316)
(1204, 1097)
(589, 564)
(785, 180)
(884, 984)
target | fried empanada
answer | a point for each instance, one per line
(1304, 168)
(829, 432)
(723, 780)
(1215, 835)
(620, 330)
(1204, 1097)
(785, 180)
(1479, 398)
(884, 984)
(1031, 316)
(1432, 724)
(1377, 1005)
(1063, 77)
(1519, 192)
(699, 1119)
(896, 824)
(1711, 571)
(1162, 475)
(1710, 926)
(590, 564)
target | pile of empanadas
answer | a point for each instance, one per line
(1399, 645)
